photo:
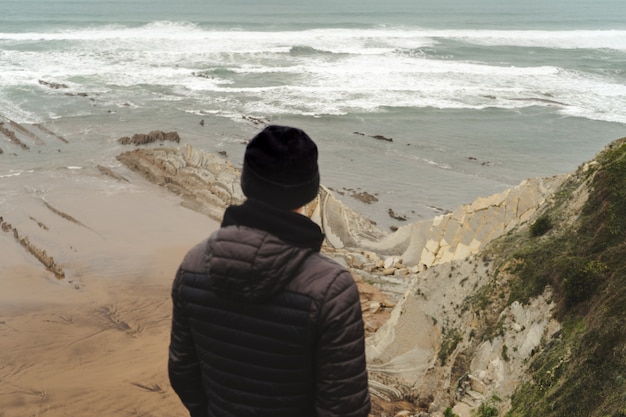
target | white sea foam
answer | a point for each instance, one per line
(333, 40)
(16, 173)
(343, 70)
(11, 174)
(571, 39)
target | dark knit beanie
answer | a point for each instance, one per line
(280, 168)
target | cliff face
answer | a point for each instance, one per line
(532, 324)
(492, 302)
(469, 228)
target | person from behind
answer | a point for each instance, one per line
(263, 324)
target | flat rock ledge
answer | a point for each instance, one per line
(206, 182)
(209, 183)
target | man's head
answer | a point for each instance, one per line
(280, 168)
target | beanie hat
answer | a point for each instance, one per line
(280, 168)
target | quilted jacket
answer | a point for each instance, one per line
(264, 325)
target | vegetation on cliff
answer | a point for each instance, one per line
(577, 247)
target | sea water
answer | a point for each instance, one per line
(425, 105)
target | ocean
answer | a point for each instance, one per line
(423, 105)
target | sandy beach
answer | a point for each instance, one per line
(94, 342)
(88, 258)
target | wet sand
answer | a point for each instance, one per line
(93, 342)
(87, 257)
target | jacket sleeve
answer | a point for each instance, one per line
(341, 374)
(183, 365)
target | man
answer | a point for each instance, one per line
(263, 324)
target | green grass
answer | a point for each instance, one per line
(583, 371)
(451, 338)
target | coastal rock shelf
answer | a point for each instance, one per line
(209, 184)
(40, 254)
(469, 228)
(426, 271)
(22, 138)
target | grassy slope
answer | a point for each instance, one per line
(583, 371)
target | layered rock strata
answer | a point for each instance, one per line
(209, 184)
(421, 332)
(469, 228)
(46, 260)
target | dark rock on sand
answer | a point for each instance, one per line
(378, 137)
(109, 172)
(381, 137)
(40, 254)
(12, 137)
(393, 215)
(364, 197)
(154, 136)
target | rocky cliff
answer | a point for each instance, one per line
(457, 330)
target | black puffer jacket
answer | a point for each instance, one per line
(264, 325)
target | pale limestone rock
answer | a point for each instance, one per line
(478, 385)
(392, 261)
(469, 228)
(401, 272)
(462, 410)
(371, 256)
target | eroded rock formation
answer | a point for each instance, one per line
(154, 136)
(12, 137)
(207, 183)
(40, 254)
(469, 228)
(422, 351)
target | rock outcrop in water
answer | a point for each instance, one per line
(21, 137)
(10, 134)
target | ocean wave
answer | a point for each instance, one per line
(571, 39)
(330, 39)
(419, 158)
(303, 50)
(153, 30)
(16, 173)
(310, 72)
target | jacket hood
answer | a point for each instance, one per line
(258, 250)
(250, 264)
